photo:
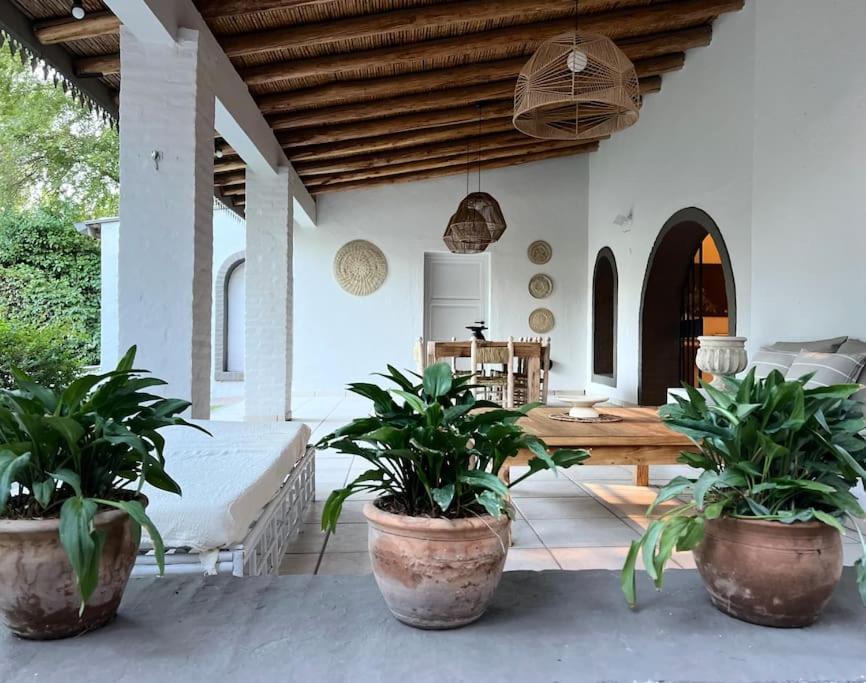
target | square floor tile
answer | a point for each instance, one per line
(563, 487)
(575, 559)
(600, 473)
(299, 564)
(523, 536)
(529, 559)
(561, 508)
(310, 539)
(353, 563)
(348, 538)
(578, 533)
(352, 512)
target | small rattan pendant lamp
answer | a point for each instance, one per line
(478, 221)
(577, 86)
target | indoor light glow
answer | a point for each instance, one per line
(576, 61)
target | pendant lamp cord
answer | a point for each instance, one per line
(479, 146)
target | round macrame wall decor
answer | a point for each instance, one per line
(360, 267)
(539, 252)
(541, 320)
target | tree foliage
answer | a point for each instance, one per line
(53, 152)
(49, 277)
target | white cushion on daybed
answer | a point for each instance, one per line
(227, 479)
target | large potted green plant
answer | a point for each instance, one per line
(72, 465)
(764, 519)
(440, 526)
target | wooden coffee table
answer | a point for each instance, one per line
(640, 439)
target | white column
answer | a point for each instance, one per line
(268, 360)
(165, 254)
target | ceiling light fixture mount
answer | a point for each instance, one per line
(577, 86)
(77, 9)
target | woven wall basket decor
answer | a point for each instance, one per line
(539, 252)
(360, 267)
(540, 286)
(577, 86)
(541, 320)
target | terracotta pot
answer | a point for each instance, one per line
(437, 573)
(39, 598)
(770, 573)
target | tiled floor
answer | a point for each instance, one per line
(585, 518)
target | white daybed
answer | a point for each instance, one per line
(245, 491)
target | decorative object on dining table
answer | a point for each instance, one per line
(477, 330)
(360, 267)
(540, 286)
(539, 252)
(602, 417)
(582, 405)
(721, 356)
(541, 320)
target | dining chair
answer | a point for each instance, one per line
(492, 367)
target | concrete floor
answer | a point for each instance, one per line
(583, 519)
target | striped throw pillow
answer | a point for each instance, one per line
(828, 368)
(769, 359)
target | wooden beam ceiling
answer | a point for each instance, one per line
(439, 172)
(396, 94)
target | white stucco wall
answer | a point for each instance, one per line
(809, 222)
(691, 147)
(341, 338)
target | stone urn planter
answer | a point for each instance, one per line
(39, 598)
(437, 573)
(721, 356)
(767, 572)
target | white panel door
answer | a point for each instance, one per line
(456, 294)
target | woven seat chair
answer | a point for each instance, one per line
(521, 387)
(493, 372)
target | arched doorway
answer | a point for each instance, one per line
(688, 291)
(605, 281)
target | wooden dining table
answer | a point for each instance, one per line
(531, 351)
(640, 439)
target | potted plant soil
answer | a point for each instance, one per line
(440, 526)
(72, 465)
(764, 519)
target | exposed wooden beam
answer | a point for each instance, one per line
(365, 26)
(228, 163)
(439, 172)
(435, 119)
(238, 8)
(360, 162)
(393, 106)
(466, 160)
(67, 29)
(233, 178)
(397, 140)
(419, 54)
(397, 124)
(619, 23)
(346, 92)
(98, 65)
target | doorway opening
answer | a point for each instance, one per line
(604, 312)
(688, 291)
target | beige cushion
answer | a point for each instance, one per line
(821, 345)
(828, 368)
(766, 360)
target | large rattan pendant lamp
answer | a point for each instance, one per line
(577, 86)
(478, 221)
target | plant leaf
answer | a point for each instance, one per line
(443, 496)
(437, 380)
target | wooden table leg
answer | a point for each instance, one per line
(641, 475)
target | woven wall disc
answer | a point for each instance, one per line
(540, 286)
(539, 252)
(360, 267)
(541, 320)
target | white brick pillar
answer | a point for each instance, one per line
(268, 360)
(165, 246)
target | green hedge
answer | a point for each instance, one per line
(49, 275)
(44, 352)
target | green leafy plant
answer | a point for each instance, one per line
(43, 352)
(769, 449)
(88, 447)
(433, 452)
